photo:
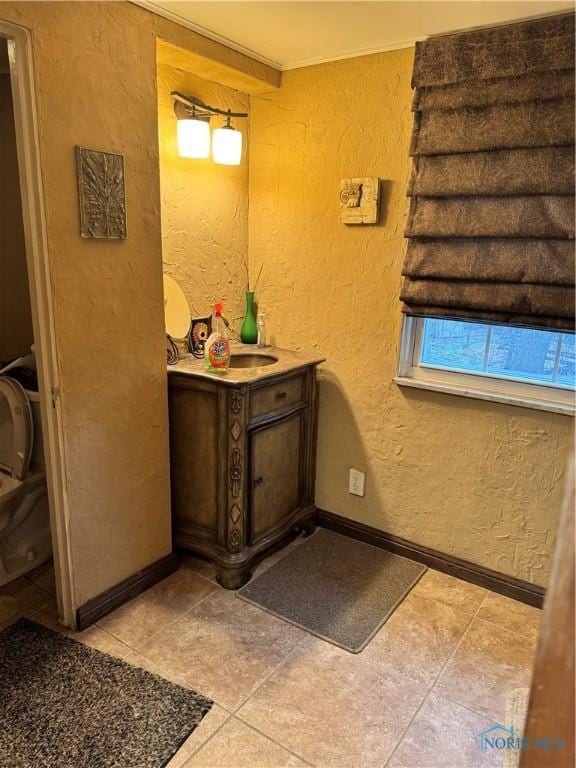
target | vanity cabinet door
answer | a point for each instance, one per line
(276, 474)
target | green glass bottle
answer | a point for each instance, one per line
(249, 330)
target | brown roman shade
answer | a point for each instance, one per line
(491, 223)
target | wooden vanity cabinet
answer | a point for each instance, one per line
(242, 466)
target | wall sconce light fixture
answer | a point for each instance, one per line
(193, 137)
(227, 145)
(194, 131)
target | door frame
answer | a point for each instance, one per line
(39, 277)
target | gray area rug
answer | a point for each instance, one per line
(337, 588)
(64, 705)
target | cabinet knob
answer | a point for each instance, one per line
(281, 396)
(259, 481)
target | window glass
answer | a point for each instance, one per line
(453, 344)
(567, 363)
(524, 354)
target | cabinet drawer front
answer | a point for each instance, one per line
(275, 397)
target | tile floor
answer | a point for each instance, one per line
(434, 676)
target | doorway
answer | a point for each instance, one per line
(19, 66)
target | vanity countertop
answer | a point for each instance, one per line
(287, 361)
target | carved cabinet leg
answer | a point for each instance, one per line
(308, 528)
(233, 578)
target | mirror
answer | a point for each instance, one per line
(176, 309)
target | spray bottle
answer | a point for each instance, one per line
(217, 349)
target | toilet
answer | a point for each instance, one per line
(24, 516)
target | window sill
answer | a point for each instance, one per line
(559, 401)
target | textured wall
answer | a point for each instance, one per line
(204, 205)
(16, 333)
(97, 89)
(96, 86)
(477, 480)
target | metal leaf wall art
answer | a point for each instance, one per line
(102, 194)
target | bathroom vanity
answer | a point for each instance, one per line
(242, 455)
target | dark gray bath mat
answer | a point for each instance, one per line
(337, 588)
(64, 705)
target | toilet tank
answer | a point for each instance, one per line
(37, 458)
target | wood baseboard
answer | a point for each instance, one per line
(524, 591)
(97, 607)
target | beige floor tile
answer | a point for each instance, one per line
(236, 745)
(44, 576)
(334, 708)
(197, 565)
(21, 598)
(488, 664)
(419, 638)
(444, 735)
(446, 589)
(510, 614)
(136, 621)
(94, 636)
(137, 660)
(224, 647)
(210, 723)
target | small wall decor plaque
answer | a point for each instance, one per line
(102, 195)
(359, 200)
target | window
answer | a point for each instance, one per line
(521, 366)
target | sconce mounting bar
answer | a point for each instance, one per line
(204, 109)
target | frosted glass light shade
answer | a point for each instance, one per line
(227, 146)
(193, 138)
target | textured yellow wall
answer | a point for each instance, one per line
(204, 205)
(477, 480)
(97, 90)
(96, 87)
(16, 334)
